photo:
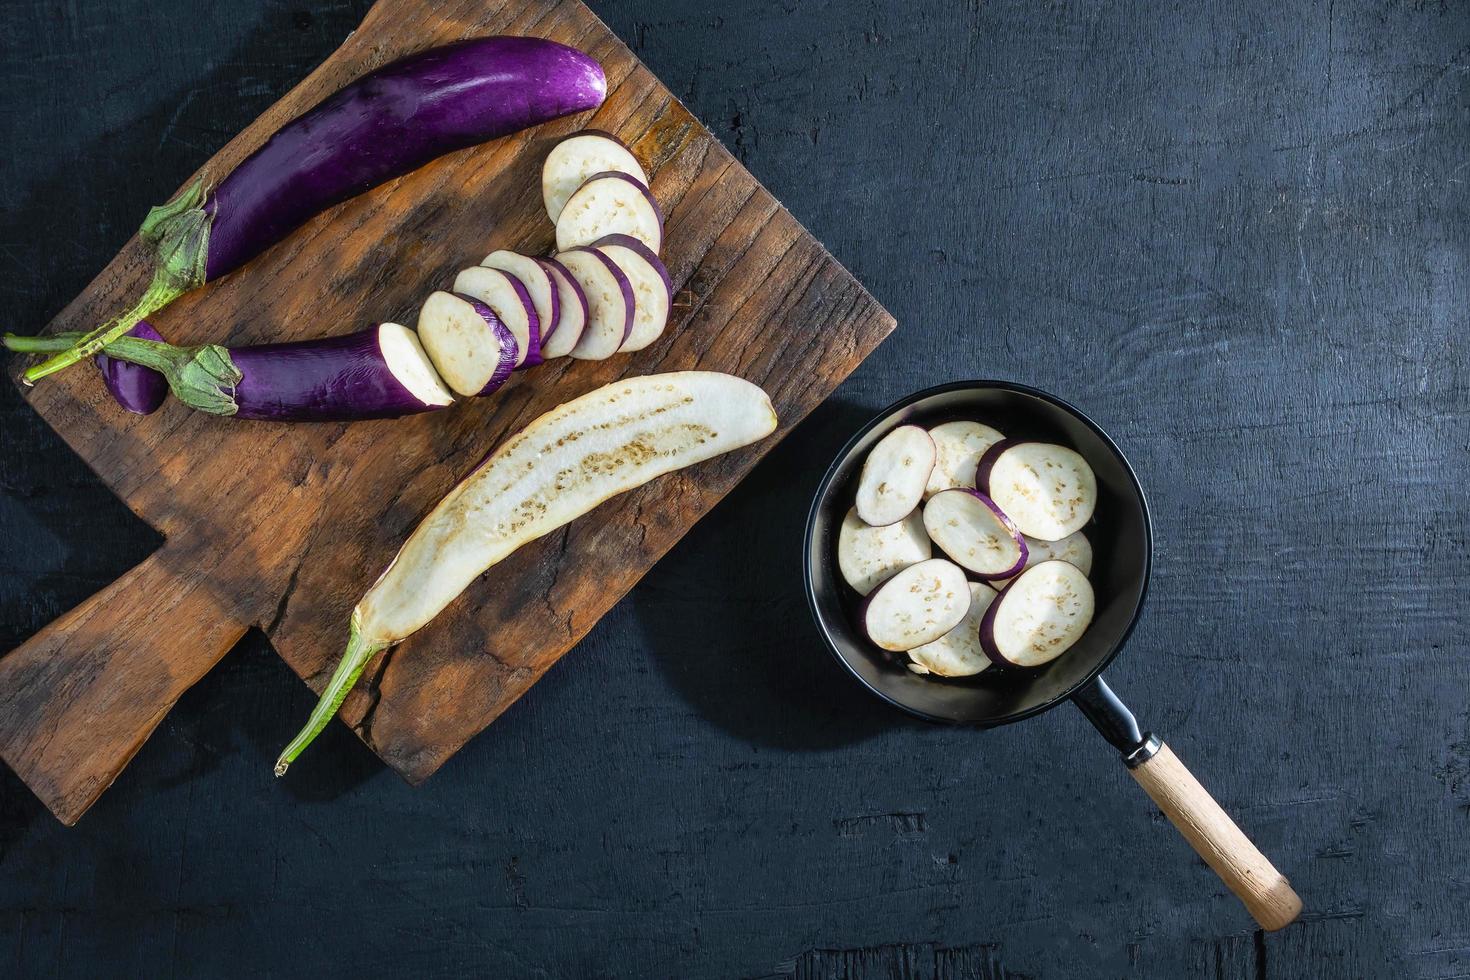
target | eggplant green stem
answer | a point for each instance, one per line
(359, 652)
(203, 377)
(177, 233)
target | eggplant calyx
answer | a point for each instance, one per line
(177, 233)
(203, 377)
(349, 669)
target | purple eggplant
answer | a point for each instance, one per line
(138, 389)
(383, 125)
(373, 374)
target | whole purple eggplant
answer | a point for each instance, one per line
(383, 125)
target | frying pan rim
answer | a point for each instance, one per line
(882, 416)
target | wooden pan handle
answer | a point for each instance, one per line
(1193, 811)
(81, 697)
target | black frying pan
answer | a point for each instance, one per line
(1122, 541)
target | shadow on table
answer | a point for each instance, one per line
(726, 616)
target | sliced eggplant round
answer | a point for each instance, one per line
(917, 606)
(1049, 491)
(532, 274)
(1074, 549)
(653, 294)
(894, 475)
(610, 302)
(572, 314)
(868, 555)
(473, 351)
(958, 447)
(507, 296)
(958, 653)
(1039, 615)
(578, 157)
(610, 204)
(975, 533)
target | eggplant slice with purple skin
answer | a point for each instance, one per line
(572, 313)
(653, 293)
(1049, 491)
(957, 653)
(473, 351)
(540, 286)
(1039, 616)
(512, 304)
(610, 302)
(868, 555)
(385, 124)
(610, 203)
(576, 158)
(975, 533)
(379, 373)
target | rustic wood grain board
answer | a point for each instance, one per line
(284, 526)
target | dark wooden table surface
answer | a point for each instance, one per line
(1236, 233)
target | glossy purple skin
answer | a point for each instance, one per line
(624, 286)
(332, 380)
(509, 350)
(557, 269)
(1006, 523)
(388, 123)
(643, 252)
(136, 388)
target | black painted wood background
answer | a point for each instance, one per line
(1236, 233)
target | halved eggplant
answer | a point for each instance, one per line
(470, 348)
(958, 447)
(507, 296)
(578, 157)
(1039, 616)
(610, 302)
(975, 533)
(610, 204)
(868, 555)
(1049, 491)
(894, 475)
(957, 653)
(917, 606)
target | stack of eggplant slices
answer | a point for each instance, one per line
(604, 292)
(1006, 514)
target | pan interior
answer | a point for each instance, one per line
(1120, 535)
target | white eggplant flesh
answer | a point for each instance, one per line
(975, 533)
(917, 606)
(1074, 549)
(1049, 491)
(957, 653)
(867, 555)
(610, 204)
(509, 298)
(1039, 616)
(410, 365)
(958, 447)
(894, 475)
(578, 157)
(610, 302)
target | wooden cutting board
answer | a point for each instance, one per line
(284, 526)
